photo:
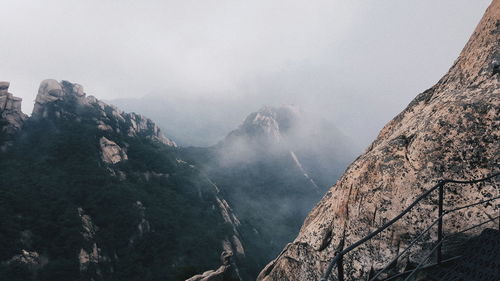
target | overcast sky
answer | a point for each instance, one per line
(358, 62)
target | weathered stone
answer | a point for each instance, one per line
(449, 131)
(4, 87)
(11, 116)
(111, 152)
(78, 90)
(89, 255)
(27, 257)
(109, 118)
(216, 275)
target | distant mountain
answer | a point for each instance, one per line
(190, 122)
(272, 170)
(89, 192)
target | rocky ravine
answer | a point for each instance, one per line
(449, 131)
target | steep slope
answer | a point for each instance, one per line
(316, 147)
(11, 116)
(449, 131)
(92, 193)
(270, 170)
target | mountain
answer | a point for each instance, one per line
(449, 131)
(90, 192)
(271, 169)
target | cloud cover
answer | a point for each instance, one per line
(357, 62)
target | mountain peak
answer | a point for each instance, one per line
(69, 100)
(269, 122)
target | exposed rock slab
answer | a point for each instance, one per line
(218, 274)
(451, 130)
(111, 152)
(11, 116)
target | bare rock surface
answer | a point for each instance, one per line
(449, 131)
(111, 152)
(218, 274)
(11, 116)
(90, 255)
(54, 97)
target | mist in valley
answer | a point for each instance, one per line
(268, 101)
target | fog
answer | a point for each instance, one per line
(356, 63)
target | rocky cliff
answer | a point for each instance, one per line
(449, 131)
(11, 116)
(62, 99)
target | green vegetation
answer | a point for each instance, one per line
(54, 168)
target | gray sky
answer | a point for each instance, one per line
(357, 62)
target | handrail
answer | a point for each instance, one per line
(430, 253)
(407, 248)
(353, 246)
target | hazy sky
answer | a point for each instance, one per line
(358, 62)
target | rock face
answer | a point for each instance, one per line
(110, 152)
(222, 273)
(449, 131)
(32, 259)
(11, 116)
(90, 256)
(54, 99)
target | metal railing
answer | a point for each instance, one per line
(337, 261)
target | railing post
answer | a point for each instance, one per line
(440, 222)
(340, 262)
(340, 268)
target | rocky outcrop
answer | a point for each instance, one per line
(449, 131)
(218, 274)
(11, 116)
(69, 100)
(143, 225)
(91, 255)
(29, 258)
(111, 152)
(229, 244)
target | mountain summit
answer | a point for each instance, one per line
(67, 99)
(271, 123)
(449, 131)
(272, 169)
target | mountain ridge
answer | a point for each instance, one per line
(448, 131)
(88, 189)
